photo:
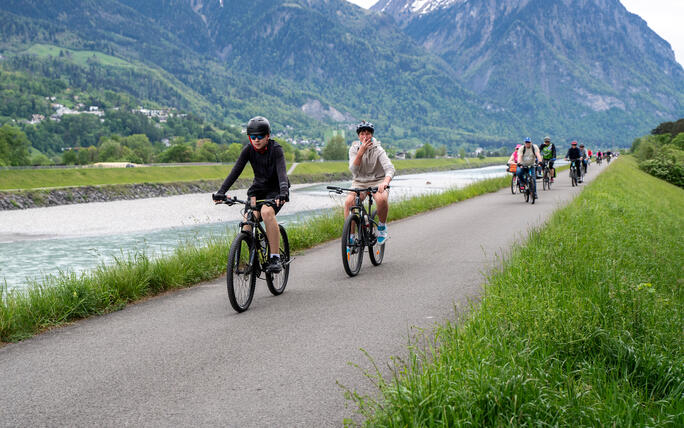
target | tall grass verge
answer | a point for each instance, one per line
(68, 296)
(582, 326)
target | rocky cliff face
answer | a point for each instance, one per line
(583, 60)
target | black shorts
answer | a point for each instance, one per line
(267, 195)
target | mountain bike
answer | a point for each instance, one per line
(546, 175)
(529, 189)
(360, 231)
(573, 173)
(514, 179)
(248, 255)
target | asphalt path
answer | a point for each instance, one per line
(185, 358)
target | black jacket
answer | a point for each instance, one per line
(574, 153)
(270, 174)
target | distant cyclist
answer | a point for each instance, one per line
(370, 167)
(270, 181)
(575, 156)
(548, 152)
(528, 154)
(585, 158)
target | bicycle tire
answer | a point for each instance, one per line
(527, 193)
(514, 184)
(376, 252)
(276, 282)
(352, 255)
(545, 180)
(241, 275)
(533, 189)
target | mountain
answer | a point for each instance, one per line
(453, 72)
(579, 69)
(309, 64)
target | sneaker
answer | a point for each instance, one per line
(273, 265)
(382, 234)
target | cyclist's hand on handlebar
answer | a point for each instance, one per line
(382, 186)
(219, 198)
(280, 200)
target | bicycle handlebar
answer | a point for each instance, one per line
(339, 190)
(234, 200)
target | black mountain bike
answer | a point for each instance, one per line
(546, 175)
(248, 255)
(573, 173)
(360, 231)
(529, 184)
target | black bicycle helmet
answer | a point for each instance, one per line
(258, 126)
(365, 126)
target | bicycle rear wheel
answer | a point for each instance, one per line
(376, 252)
(276, 282)
(241, 274)
(352, 245)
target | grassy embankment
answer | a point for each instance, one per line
(51, 178)
(68, 297)
(583, 325)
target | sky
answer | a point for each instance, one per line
(665, 17)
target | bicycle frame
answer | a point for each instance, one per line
(256, 231)
(359, 209)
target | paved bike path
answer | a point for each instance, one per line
(187, 359)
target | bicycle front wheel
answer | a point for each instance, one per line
(514, 184)
(276, 282)
(376, 252)
(533, 190)
(352, 245)
(241, 275)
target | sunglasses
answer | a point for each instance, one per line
(257, 137)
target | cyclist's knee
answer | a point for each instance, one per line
(349, 201)
(381, 198)
(267, 212)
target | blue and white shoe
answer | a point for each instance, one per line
(382, 234)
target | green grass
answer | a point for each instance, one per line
(39, 178)
(67, 297)
(70, 177)
(582, 326)
(78, 57)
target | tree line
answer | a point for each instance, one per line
(661, 153)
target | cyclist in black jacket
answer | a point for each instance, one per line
(270, 181)
(575, 156)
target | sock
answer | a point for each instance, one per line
(275, 255)
(380, 224)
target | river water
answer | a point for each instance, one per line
(40, 242)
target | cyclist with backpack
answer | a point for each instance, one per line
(528, 155)
(370, 167)
(270, 182)
(548, 152)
